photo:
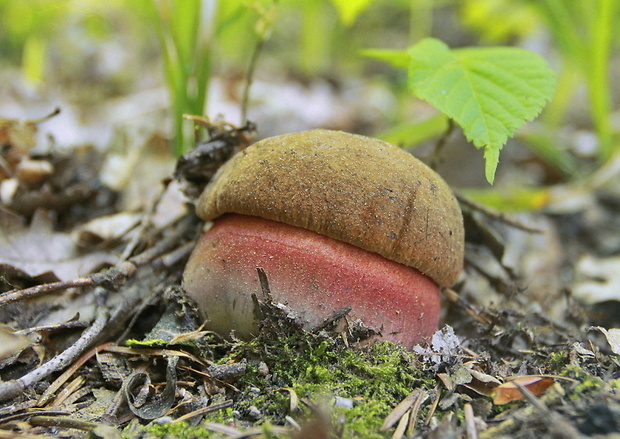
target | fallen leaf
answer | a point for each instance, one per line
(508, 392)
(38, 249)
(105, 229)
(597, 279)
(11, 343)
(18, 134)
(613, 338)
(482, 383)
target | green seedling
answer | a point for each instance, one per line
(489, 91)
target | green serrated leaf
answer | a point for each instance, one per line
(489, 91)
(348, 10)
(491, 159)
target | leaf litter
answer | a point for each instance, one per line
(518, 357)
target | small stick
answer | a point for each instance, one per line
(264, 282)
(49, 392)
(433, 406)
(13, 388)
(472, 433)
(249, 78)
(557, 423)
(399, 411)
(62, 422)
(208, 409)
(39, 290)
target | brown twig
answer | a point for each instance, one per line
(62, 422)
(556, 422)
(417, 396)
(13, 388)
(436, 159)
(433, 407)
(39, 290)
(49, 392)
(202, 411)
(111, 278)
(470, 422)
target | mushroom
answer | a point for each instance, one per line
(335, 220)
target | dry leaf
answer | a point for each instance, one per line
(508, 392)
(597, 279)
(18, 134)
(613, 338)
(105, 229)
(482, 383)
(39, 249)
(11, 344)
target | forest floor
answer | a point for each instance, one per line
(98, 339)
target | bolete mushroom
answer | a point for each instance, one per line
(335, 220)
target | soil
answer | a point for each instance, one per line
(100, 340)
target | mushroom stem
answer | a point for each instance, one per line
(310, 273)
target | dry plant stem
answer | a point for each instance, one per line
(6, 411)
(558, 426)
(13, 388)
(64, 422)
(402, 426)
(264, 282)
(39, 290)
(472, 433)
(334, 318)
(167, 242)
(145, 224)
(49, 392)
(68, 391)
(433, 407)
(437, 157)
(249, 79)
(203, 411)
(455, 298)
(112, 278)
(180, 254)
(415, 410)
(234, 433)
(158, 352)
(30, 413)
(12, 435)
(72, 324)
(402, 408)
(221, 428)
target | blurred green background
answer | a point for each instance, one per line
(309, 69)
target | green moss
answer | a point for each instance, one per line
(375, 379)
(586, 381)
(177, 430)
(557, 361)
(317, 369)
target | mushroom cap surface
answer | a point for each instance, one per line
(352, 188)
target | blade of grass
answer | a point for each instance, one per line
(598, 78)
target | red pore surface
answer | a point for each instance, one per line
(312, 274)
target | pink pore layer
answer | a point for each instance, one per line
(312, 274)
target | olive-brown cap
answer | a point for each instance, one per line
(352, 188)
